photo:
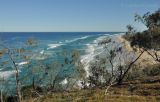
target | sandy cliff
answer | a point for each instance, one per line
(144, 60)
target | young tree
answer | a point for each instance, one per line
(15, 55)
(152, 22)
(118, 62)
(63, 74)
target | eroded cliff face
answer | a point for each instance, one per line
(145, 60)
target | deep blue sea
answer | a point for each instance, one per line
(49, 47)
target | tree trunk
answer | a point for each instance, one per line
(33, 83)
(120, 80)
(18, 87)
(1, 96)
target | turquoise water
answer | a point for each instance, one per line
(49, 49)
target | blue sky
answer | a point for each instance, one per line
(72, 15)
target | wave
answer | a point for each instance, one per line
(88, 57)
(76, 39)
(92, 50)
(114, 34)
(41, 52)
(21, 63)
(7, 74)
(42, 55)
(85, 37)
(52, 46)
(64, 82)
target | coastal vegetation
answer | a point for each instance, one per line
(118, 74)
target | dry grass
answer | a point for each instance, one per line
(131, 91)
(95, 97)
(116, 94)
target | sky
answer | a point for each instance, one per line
(72, 15)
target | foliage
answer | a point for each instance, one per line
(153, 70)
(150, 38)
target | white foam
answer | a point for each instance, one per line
(52, 46)
(21, 63)
(114, 34)
(42, 52)
(85, 59)
(42, 55)
(84, 37)
(100, 38)
(64, 82)
(7, 74)
(88, 57)
(92, 51)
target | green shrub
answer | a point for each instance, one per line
(153, 70)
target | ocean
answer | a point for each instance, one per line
(50, 46)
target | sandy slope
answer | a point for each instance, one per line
(144, 60)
